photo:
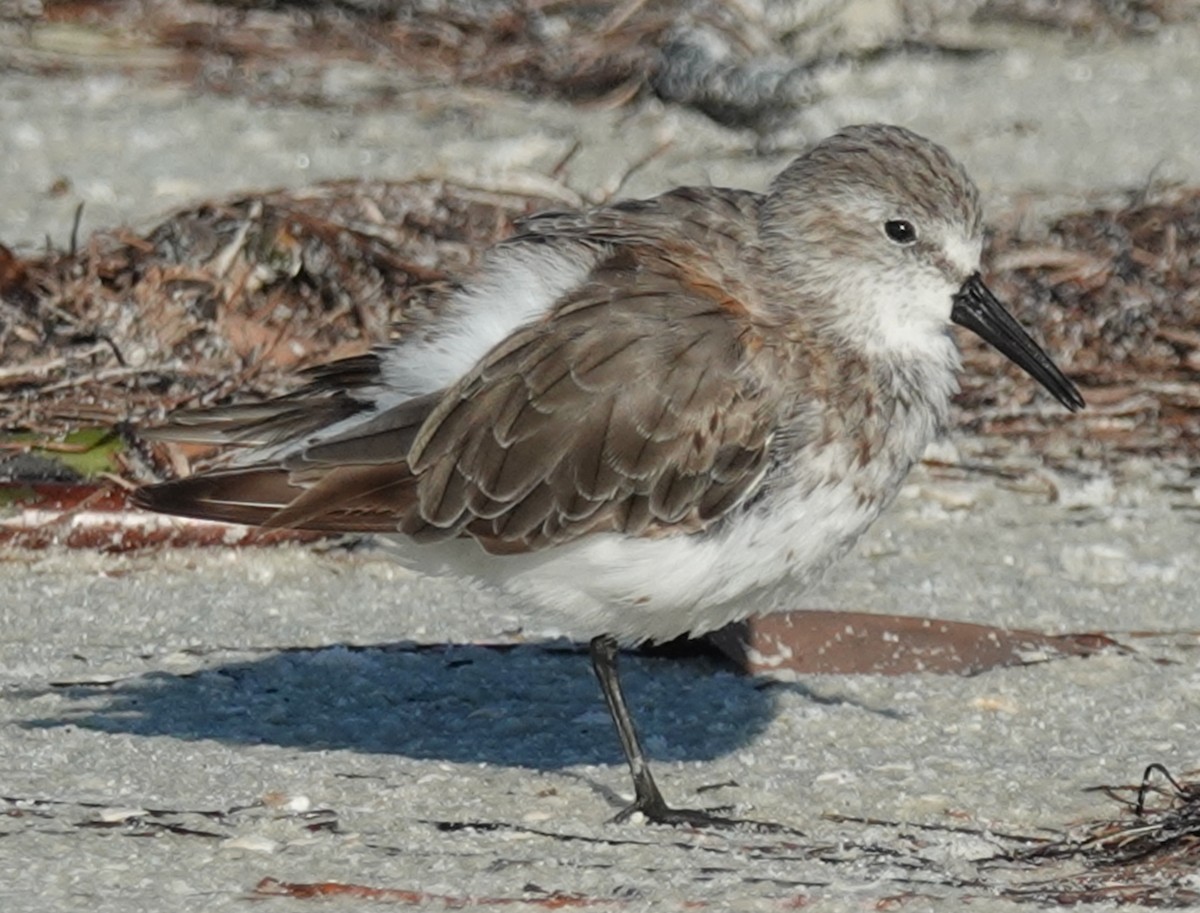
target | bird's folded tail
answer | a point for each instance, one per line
(333, 393)
(251, 496)
(345, 499)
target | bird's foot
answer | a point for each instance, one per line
(656, 811)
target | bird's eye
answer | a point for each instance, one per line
(900, 230)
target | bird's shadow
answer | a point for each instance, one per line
(529, 705)
(533, 705)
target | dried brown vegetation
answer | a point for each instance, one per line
(742, 64)
(1115, 293)
(229, 299)
(1147, 856)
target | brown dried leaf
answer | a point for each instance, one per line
(838, 642)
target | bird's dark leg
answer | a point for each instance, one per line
(647, 799)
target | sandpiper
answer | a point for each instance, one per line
(654, 417)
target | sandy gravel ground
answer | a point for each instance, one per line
(179, 726)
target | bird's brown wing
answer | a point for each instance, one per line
(636, 406)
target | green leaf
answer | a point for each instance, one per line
(86, 452)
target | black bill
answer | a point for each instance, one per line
(977, 309)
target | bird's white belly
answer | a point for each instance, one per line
(661, 588)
